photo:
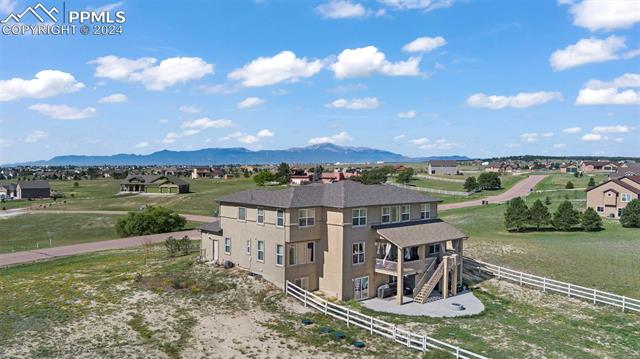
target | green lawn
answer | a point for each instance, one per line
(444, 185)
(608, 260)
(34, 230)
(507, 182)
(559, 181)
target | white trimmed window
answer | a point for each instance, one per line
(248, 246)
(626, 197)
(242, 213)
(260, 217)
(293, 255)
(386, 215)
(261, 251)
(227, 245)
(405, 213)
(359, 217)
(279, 254)
(280, 218)
(310, 253)
(306, 217)
(425, 209)
(357, 253)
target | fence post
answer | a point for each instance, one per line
(305, 298)
(286, 286)
(594, 297)
(424, 343)
(326, 304)
(348, 316)
(544, 284)
(371, 325)
(457, 352)
(394, 333)
(569, 290)
(623, 303)
(499, 272)
(521, 279)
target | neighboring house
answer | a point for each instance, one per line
(597, 166)
(331, 177)
(33, 189)
(631, 169)
(345, 239)
(201, 172)
(443, 167)
(153, 184)
(8, 191)
(301, 179)
(610, 198)
(569, 168)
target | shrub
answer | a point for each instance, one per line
(631, 214)
(517, 215)
(569, 185)
(539, 215)
(470, 184)
(565, 217)
(76, 184)
(172, 245)
(150, 221)
(591, 221)
(547, 200)
(185, 245)
(263, 177)
(405, 176)
(489, 180)
(592, 182)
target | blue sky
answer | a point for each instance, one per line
(417, 77)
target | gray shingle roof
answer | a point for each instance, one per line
(344, 194)
(443, 163)
(213, 227)
(33, 184)
(427, 232)
(150, 178)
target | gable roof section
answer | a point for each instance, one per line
(620, 183)
(443, 163)
(33, 184)
(344, 194)
(427, 232)
(148, 179)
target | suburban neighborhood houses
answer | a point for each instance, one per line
(162, 184)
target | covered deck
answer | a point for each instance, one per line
(417, 257)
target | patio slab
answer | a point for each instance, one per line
(436, 309)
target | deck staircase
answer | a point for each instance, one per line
(429, 280)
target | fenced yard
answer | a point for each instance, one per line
(423, 343)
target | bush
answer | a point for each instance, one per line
(76, 184)
(263, 177)
(591, 221)
(547, 200)
(539, 215)
(565, 217)
(405, 176)
(569, 185)
(517, 215)
(185, 246)
(631, 214)
(592, 182)
(489, 180)
(470, 184)
(172, 245)
(374, 176)
(150, 221)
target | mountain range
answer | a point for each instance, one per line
(321, 153)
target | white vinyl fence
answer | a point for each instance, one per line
(444, 179)
(546, 284)
(377, 326)
(432, 190)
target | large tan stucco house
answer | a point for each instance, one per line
(610, 198)
(345, 239)
(597, 166)
(159, 184)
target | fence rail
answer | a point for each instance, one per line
(432, 190)
(444, 179)
(376, 326)
(546, 284)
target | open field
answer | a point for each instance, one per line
(507, 182)
(559, 180)
(34, 230)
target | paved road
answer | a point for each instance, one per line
(520, 189)
(49, 253)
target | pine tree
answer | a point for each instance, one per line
(547, 201)
(590, 220)
(517, 215)
(631, 214)
(539, 215)
(569, 185)
(565, 217)
(592, 182)
(470, 184)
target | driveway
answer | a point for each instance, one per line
(7, 259)
(520, 189)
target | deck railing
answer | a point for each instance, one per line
(551, 285)
(412, 340)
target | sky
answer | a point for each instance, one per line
(416, 77)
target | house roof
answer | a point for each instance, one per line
(33, 184)
(596, 163)
(425, 232)
(622, 184)
(152, 178)
(443, 163)
(212, 227)
(632, 170)
(11, 187)
(344, 194)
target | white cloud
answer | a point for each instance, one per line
(611, 129)
(605, 15)
(337, 139)
(424, 44)
(284, 66)
(426, 5)
(248, 139)
(341, 9)
(407, 114)
(171, 137)
(572, 130)
(398, 137)
(5, 142)
(347, 88)
(46, 83)
(250, 102)
(547, 134)
(231, 136)
(521, 100)
(426, 144)
(559, 145)
(36, 136)
(220, 89)
(590, 50)
(114, 98)
(529, 137)
(598, 92)
(368, 103)
(168, 72)
(365, 61)
(420, 141)
(190, 109)
(7, 6)
(593, 137)
(619, 139)
(203, 123)
(63, 112)
(142, 145)
(265, 133)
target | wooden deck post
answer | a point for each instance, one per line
(454, 276)
(400, 285)
(445, 277)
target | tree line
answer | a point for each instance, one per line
(519, 217)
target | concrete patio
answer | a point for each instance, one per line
(436, 309)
